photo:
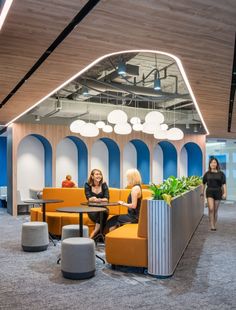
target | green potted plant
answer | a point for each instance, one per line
(174, 187)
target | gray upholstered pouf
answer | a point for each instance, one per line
(78, 258)
(69, 231)
(34, 236)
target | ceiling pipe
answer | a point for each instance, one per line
(137, 90)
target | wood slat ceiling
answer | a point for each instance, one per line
(201, 33)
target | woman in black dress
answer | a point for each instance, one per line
(215, 181)
(96, 191)
(133, 202)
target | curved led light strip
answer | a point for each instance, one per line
(177, 60)
(6, 7)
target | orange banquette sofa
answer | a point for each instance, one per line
(73, 197)
(128, 244)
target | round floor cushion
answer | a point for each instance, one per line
(78, 258)
(69, 231)
(34, 236)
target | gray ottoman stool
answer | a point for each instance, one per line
(78, 258)
(69, 231)
(34, 236)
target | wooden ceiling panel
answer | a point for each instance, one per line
(201, 33)
(30, 28)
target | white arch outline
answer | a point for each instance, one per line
(178, 61)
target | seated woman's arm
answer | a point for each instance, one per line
(88, 193)
(105, 191)
(135, 194)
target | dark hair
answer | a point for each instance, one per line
(90, 179)
(217, 162)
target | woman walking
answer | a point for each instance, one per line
(215, 183)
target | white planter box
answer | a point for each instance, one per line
(170, 230)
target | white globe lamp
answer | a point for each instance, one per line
(76, 126)
(89, 130)
(117, 117)
(123, 129)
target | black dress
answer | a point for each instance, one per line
(131, 217)
(95, 216)
(214, 181)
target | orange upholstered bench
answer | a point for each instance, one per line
(127, 245)
(73, 197)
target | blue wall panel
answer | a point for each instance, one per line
(143, 160)
(82, 160)
(169, 159)
(114, 162)
(194, 159)
(3, 161)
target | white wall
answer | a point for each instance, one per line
(30, 166)
(157, 165)
(183, 163)
(100, 159)
(129, 160)
(66, 161)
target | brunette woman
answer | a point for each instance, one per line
(215, 183)
(96, 191)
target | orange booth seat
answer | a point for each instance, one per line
(72, 197)
(128, 244)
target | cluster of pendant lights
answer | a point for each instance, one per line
(154, 124)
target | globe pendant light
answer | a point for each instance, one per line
(100, 124)
(175, 134)
(164, 126)
(89, 130)
(160, 134)
(107, 128)
(76, 126)
(117, 117)
(122, 129)
(150, 128)
(154, 117)
(138, 127)
(135, 120)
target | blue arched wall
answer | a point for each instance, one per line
(194, 159)
(169, 159)
(114, 162)
(47, 159)
(3, 161)
(82, 160)
(143, 159)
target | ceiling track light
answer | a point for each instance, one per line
(85, 91)
(37, 118)
(157, 81)
(121, 68)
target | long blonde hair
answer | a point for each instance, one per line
(133, 177)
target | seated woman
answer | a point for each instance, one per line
(133, 202)
(96, 191)
(68, 182)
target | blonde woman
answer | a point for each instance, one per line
(133, 203)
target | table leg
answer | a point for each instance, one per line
(81, 224)
(44, 220)
(44, 212)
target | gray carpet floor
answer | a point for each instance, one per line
(205, 277)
